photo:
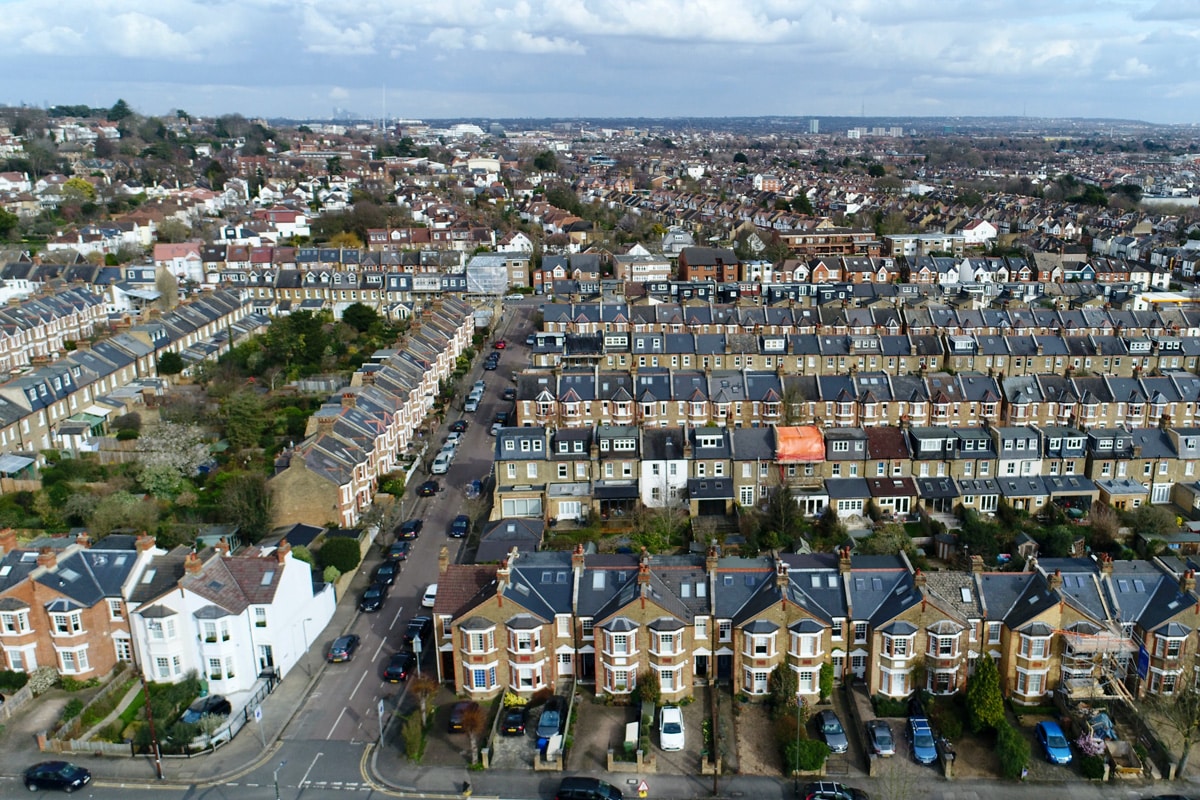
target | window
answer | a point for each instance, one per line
(14, 622)
(725, 630)
(896, 646)
(483, 678)
(860, 632)
(67, 624)
(804, 681)
(260, 617)
(162, 667)
(1030, 683)
(586, 626)
(619, 644)
(666, 643)
(481, 641)
(994, 632)
(837, 628)
(214, 669)
(806, 645)
(115, 610)
(1034, 646)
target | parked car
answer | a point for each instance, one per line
(373, 597)
(510, 394)
(418, 627)
(454, 438)
(441, 464)
(587, 789)
(879, 735)
(430, 596)
(551, 720)
(213, 705)
(479, 386)
(449, 448)
(500, 344)
(832, 732)
(514, 296)
(491, 365)
(342, 649)
(459, 712)
(513, 722)
(496, 428)
(530, 340)
(459, 426)
(501, 417)
(386, 573)
(411, 528)
(1053, 742)
(921, 735)
(828, 790)
(670, 728)
(400, 666)
(474, 489)
(398, 551)
(460, 526)
(428, 489)
(56, 775)
(472, 404)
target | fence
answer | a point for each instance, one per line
(14, 702)
(224, 735)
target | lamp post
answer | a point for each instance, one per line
(275, 777)
(304, 655)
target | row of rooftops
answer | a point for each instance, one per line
(829, 586)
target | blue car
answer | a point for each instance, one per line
(921, 735)
(1055, 745)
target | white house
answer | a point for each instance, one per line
(978, 232)
(664, 467)
(230, 618)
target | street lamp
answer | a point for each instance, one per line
(275, 777)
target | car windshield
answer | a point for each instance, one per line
(832, 726)
(923, 738)
(70, 771)
(672, 727)
(1056, 740)
(883, 736)
(374, 591)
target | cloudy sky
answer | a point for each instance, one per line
(1131, 59)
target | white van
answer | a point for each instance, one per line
(441, 464)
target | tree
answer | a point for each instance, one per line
(173, 230)
(244, 417)
(546, 161)
(802, 205)
(740, 158)
(345, 239)
(825, 681)
(783, 691)
(170, 363)
(1104, 524)
(360, 317)
(1181, 713)
(246, 502)
(474, 720)
(168, 289)
(128, 422)
(649, 688)
(77, 190)
(1013, 749)
(985, 703)
(178, 446)
(829, 528)
(783, 518)
(876, 171)
(122, 510)
(341, 552)
(120, 110)
(1154, 520)
(8, 223)
(889, 540)
(423, 688)
(160, 480)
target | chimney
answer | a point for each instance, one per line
(844, 565)
(502, 575)
(1187, 582)
(781, 575)
(144, 542)
(325, 424)
(577, 558)
(443, 560)
(919, 580)
(1054, 582)
(47, 558)
(368, 378)
(281, 552)
(8, 541)
(710, 560)
(349, 400)
(222, 547)
(83, 540)
(976, 565)
(192, 564)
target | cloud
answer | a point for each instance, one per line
(323, 35)
(338, 93)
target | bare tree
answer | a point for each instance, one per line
(474, 720)
(423, 688)
(1181, 713)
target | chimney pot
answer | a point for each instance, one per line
(144, 542)
(83, 539)
(281, 552)
(222, 547)
(47, 557)
(192, 564)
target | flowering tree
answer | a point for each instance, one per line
(175, 445)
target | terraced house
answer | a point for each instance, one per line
(1076, 624)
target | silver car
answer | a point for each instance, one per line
(832, 732)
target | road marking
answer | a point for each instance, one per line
(382, 642)
(396, 618)
(362, 678)
(335, 724)
(310, 766)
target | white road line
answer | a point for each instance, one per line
(382, 642)
(396, 618)
(362, 678)
(335, 724)
(310, 766)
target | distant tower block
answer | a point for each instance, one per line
(814, 126)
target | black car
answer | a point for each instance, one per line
(428, 489)
(418, 626)
(459, 426)
(386, 572)
(491, 365)
(460, 526)
(828, 790)
(56, 775)
(213, 705)
(398, 551)
(399, 666)
(510, 393)
(411, 528)
(501, 417)
(459, 712)
(373, 597)
(513, 722)
(577, 788)
(342, 649)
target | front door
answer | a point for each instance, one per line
(266, 658)
(724, 667)
(701, 667)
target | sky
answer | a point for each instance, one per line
(1127, 59)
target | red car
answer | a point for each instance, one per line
(500, 345)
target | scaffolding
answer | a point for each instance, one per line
(1096, 662)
